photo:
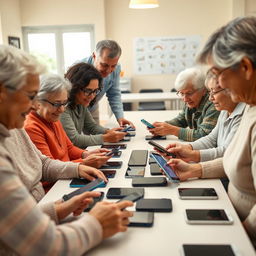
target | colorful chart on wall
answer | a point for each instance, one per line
(164, 55)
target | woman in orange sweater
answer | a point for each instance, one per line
(46, 131)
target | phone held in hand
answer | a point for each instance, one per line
(126, 129)
(109, 173)
(166, 168)
(161, 149)
(149, 125)
(95, 200)
(197, 193)
(113, 152)
(110, 146)
(89, 187)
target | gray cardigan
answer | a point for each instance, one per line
(81, 128)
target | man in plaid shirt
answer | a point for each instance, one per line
(198, 116)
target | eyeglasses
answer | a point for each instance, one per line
(89, 92)
(56, 105)
(212, 93)
(214, 76)
(187, 94)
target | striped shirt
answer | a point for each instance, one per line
(197, 122)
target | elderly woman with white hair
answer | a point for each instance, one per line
(198, 116)
(25, 227)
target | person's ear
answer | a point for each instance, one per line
(36, 105)
(247, 68)
(2, 92)
(94, 56)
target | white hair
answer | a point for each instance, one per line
(194, 75)
(15, 66)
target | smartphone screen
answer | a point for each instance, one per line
(161, 149)
(135, 172)
(151, 137)
(166, 168)
(132, 197)
(141, 219)
(109, 146)
(149, 181)
(117, 193)
(77, 182)
(109, 173)
(197, 193)
(95, 200)
(154, 205)
(112, 164)
(207, 249)
(138, 158)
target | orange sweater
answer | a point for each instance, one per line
(51, 139)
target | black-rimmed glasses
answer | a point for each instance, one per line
(56, 104)
(89, 92)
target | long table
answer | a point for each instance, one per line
(170, 230)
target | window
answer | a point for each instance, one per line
(58, 47)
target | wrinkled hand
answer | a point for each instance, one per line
(162, 129)
(123, 122)
(75, 205)
(98, 150)
(90, 173)
(112, 217)
(113, 135)
(96, 160)
(184, 170)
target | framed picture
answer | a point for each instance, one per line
(14, 41)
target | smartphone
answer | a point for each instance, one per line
(109, 146)
(126, 129)
(151, 160)
(149, 125)
(118, 193)
(138, 158)
(155, 169)
(208, 216)
(152, 137)
(126, 138)
(131, 129)
(95, 200)
(113, 152)
(90, 186)
(80, 182)
(135, 172)
(109, 173)
(141, 219)
(131, 197)
(208, 249)
(161, 149)
(149, 182)
(166, 168)
(154, 205)
(197, 193)
(112, 164)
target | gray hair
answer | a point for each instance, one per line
(194, 75)
(51, 83)
(114, 48)
(15, 66)
(229, 44)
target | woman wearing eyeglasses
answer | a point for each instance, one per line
(77, 121)
(198, 116)
(230, 54)
(214, 144)
(46, 131)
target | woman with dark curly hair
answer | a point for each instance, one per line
(77, 121)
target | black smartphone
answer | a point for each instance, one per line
(155, 169)
(208, 249)
(208, 216)
(126, 129)
(126, 138)
(152, 137)
(109, 146)
(161, 149)
(154, 205)
(78, 182)
(90, 186)
(131, 197)
(112, 164)
(151, 160)
(141, 219)
(197, 193)
(114, 152)
(109, 173)
(166, 168)
(138, 158)
(118, 193)
(135, 171)
(95, 200)
(149, 182)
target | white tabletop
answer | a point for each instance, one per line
(170, 230)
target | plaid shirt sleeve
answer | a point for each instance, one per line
(203, 124)
(180, 120)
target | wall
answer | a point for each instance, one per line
(64, 12)
(10, 19)
(172, 18)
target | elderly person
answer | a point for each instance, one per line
(77, 120)
(214, 144)
(46, 131)
(105, 59)
(231, 56)
(198, 116)
(26, 228)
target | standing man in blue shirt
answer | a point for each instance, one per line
(105, 60)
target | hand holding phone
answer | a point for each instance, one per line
(149, 125)
(161, 149)
(132, 197)
(126, 129)
(113, 151)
